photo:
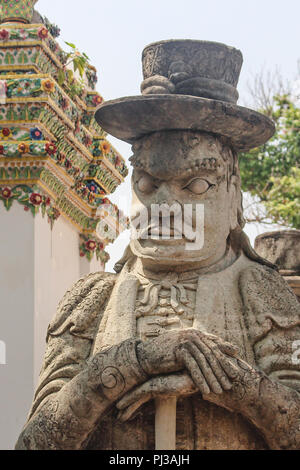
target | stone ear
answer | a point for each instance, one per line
(234, 198)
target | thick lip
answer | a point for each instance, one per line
(157, 232)
(165, 241)
(169, 242)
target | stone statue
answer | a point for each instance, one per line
(212, 325)
(283, 249)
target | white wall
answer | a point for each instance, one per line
(16, 320)
(56, 267)
(37, 266)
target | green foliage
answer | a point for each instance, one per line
(272, 172)
(79, 62)
(283, 203)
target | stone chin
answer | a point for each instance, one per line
(175, 252)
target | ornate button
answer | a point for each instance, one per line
(164, 302)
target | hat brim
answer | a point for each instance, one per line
(133, 117)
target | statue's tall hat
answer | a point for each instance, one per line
(187, 85)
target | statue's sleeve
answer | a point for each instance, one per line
(71, 333)
(272, 317)
(76, 387)
(57, 420)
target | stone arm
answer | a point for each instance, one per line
(272, 406)
(269, 396)
(65, 419)
(75, 390)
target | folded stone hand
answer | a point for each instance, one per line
(190, 350)
(244, 382)
(245, 388)
(204, 359)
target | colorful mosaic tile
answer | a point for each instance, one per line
(16, 10)
(53, 155)
(90, 246)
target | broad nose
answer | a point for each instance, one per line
(163, 194)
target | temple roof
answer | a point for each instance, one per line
(50, 143)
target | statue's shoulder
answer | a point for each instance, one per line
(258, 278)
(71, 333)
(268, 299)
(82, 305)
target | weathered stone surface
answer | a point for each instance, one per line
(211, 324)
(131, 118)
(187, 85)
(198, 68)
(294, 283)
(283, 249)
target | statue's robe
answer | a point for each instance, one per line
(247, 304)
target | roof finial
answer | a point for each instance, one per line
(16, 11)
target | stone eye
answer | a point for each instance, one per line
(198, 186)
(146, 184)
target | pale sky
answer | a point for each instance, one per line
(113, 34)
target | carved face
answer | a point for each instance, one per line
(190, 171)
